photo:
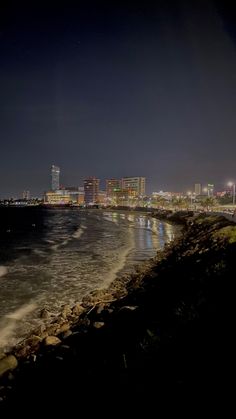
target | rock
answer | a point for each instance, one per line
(44, 334)
(33, 341)
(23, 352)
(44, 314)
(40, 330)
(98, 325)
(51, 341)
(64, 328)
(2, 354)
(66, 311)
(88, 301)
(77, 310)
(94, 297)
(51, 330)
(100, 308)
(7, 364)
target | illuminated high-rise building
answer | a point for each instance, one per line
(135, 185)
(91, 190)
(55, 178)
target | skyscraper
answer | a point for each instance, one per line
(91, 190)
(55, 175)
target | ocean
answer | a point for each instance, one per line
(51, 257)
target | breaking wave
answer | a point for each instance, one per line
(10, 322)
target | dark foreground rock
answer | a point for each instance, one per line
(164, 330)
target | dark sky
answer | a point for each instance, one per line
(117, 89)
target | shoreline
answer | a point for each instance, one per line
(166, 299)
(53, 322)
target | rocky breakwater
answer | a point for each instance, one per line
(164, 327)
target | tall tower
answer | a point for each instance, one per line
(91, 190)
(55, 176)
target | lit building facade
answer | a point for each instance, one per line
(57, 198)
(76, 194)
(135, 185)
(102, 197)
(122, 197)
(55, 178)
(112, 187)
(80, 198)
(91, 190)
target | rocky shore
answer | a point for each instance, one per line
(163, 328)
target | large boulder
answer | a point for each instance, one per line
(51, 341)
(8, 363)
(98, 325)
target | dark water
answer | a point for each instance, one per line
(53, 257)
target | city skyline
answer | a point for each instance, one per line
(125, 182)
(116, 90)
(55, 171)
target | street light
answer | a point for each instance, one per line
(206, 190)
(233, 185)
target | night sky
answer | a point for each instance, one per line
(117, 89)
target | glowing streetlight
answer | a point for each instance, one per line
(231, 184)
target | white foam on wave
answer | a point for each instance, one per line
(55, 246)
(122, 257)
(3, 271)
(78, 233)
(11, 320)
(39, 252)
(63, 243)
